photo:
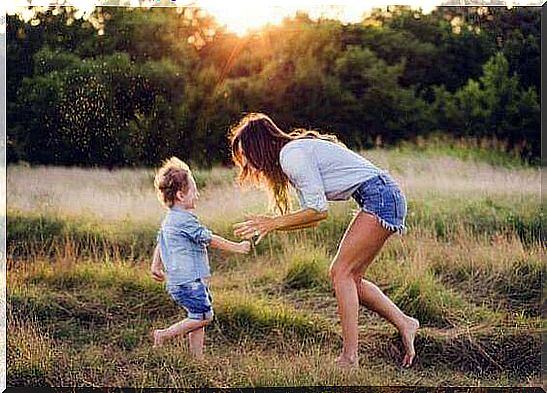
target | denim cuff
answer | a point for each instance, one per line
(201, 316)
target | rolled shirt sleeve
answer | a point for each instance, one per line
(197, 232)
(302, 170)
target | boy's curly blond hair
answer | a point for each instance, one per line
(173, 176)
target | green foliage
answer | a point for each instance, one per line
(518, 285)
(165, 81)
(495, 106)
(53, 235)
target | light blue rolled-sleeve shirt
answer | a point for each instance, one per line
(322, 171)
(183, 242)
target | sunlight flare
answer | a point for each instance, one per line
(241, 18)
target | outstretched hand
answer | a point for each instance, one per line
(255, 226)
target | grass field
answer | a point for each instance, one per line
(81, 303)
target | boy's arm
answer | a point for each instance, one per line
(224, 244)
(157, 267)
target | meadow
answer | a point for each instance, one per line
(81, 302)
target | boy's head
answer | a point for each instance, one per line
(175, 184)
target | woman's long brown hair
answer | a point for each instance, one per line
(256, 143)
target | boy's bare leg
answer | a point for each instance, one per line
(195, 342)
(183, 327)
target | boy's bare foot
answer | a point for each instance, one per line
(408, 333)
(158, 339)
(198, 356)
(346, 363)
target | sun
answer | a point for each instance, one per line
(243, 17)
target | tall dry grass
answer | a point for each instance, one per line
(128, 193)
(81, 302)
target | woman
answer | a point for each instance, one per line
(320, 168)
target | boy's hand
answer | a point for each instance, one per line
(157, 273)
(244, 247)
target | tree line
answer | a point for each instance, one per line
(132, 86)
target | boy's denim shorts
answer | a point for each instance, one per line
(381, 197)
(194, 297)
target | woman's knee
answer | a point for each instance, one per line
(333, 270)
(339, 269)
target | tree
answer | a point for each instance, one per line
(495, 106)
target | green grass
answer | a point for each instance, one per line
(31, 234)
(307, 270)
(242, 317)
(81, 303)
(48, 235)
(89, 321)
(490, 151)
(516, 286)
(447, 219)
(30, 355)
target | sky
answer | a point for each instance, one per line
(242, 17)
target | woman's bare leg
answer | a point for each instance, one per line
(348, 308)
(362, 241)
(364, 236)
(373, 298)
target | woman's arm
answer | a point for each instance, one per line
(304, 218)
(301, 226)
(261, 225)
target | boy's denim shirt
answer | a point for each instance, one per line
(322, 171)
(183, 244)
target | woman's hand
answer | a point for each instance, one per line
(259, 225)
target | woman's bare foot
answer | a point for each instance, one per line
(158, 339)
(345, 362)
(408, 333)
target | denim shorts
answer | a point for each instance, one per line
(194, 297)
(381, 197)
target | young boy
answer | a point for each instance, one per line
(181, 254)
